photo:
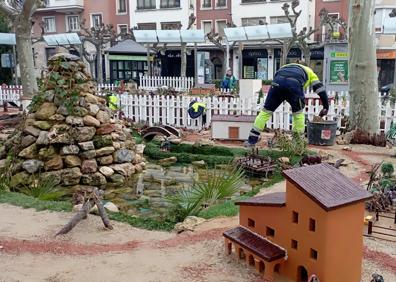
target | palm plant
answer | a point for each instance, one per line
(220, 185)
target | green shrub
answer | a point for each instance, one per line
(387, 169)
(43, 188)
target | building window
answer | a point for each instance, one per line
(221, 3)
(96, 20)
(294, 244)
(253, 21)
(251, 222)
(314, 254)
(73, 23)
(206, 3)
(145, 4)
(121, 6)
(220, 26)
(280, 20)
(207, 26)
(147, 26)
(254, 1)
(295, 217)
(49, 52)
(170, 3)
(312, 224)
(171, 26)
(49, 24)
(122, 29)
(270, 232)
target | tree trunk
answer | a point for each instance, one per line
(25, 56)
(83, 213)
(99, 73)
(225, 64)
(183, 54)
(363, 84)
(285, 51)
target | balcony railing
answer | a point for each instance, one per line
(60, 4)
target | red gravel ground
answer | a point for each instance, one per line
(384, 260)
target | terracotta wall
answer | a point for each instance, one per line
(213, 13)
(107, 9)
(340, 6)
(60, 20)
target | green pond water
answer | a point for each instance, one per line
(144, 194)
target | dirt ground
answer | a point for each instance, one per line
(29, 251)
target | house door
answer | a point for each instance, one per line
(302, 274)
(233, 132)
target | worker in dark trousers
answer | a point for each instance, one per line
(289, 84)
(197, 109)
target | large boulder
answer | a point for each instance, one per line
(45, 111)
(71, 176)
(31, 130)
(91, 121)
(60, 134)
(93, 109)
(126, 169)
(101, 141)
(43, 138)
(55, 163)
(105, 151)
(105, 129)
(103, 117)
(29, 152)
(106, 160)
(84, 134)
(123, 156)
(95, 179)
(72, 161)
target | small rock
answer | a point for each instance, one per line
(118, 136)
(59, 134)
(204, 142)
(111, 207)
(45, 111)
(138, 168)
(140, 148)
(55, 163)
(88, 154)
(138, 159)
(3, 163)
(347, 148)
(86, 146)
(32, 166)
(284, 160)
(130, 144)
(117, 145)
(75, 121)
(47, 153)
(89, 98)
(62, 110)
(32, 131)
(28, 140)
(89, 166)
(43, 138)
(102, 141)
(105, 160)
(105, 151)
(199, 163)
(105, 129)
(91, 121)
(123, 156)
(77, 208)
(93, 109)
(176, 141)
(168, 161)
(49, 95)
(103, 117)
(96, 179)
(106, 171)
(126, 169)
(42, 124)
(71, 176)
(19, 178)
(84, 134)
(189, 224)
(80, 111)
(117, 178)
(57, 117)
(70, 150)
(72, 161)
(28, 152)
(324, 154)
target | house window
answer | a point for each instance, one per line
(122, 29)
(221, 3)
(312, 224)
(145, 4)
(251, 222)
(49, 52)
(270, 232)
(96, 20)
(253, 21)
(314, 254)
(49, 24)
(121, 7)
(73, 23)
(207, 26)
(295, 217)
(206, 3)
(170, 3)
(220, 26)
(147, 26)
(279, 20)
(294, 244)
(171, 26)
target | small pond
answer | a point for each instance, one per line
(144, 194)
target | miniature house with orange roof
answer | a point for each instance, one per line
(314, 228)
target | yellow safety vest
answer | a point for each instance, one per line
(113, 102)
(196, 106)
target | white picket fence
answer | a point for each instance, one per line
(177, 83)
(172, 110)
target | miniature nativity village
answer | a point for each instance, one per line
(168, 179)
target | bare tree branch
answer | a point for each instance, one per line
(393, 13)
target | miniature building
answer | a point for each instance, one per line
(227, 127)
(315, 228)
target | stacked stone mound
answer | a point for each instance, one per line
(85, 147)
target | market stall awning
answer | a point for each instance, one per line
(7, 39)
(62, 39)
(127, 46)
(169, 36)
(258, 32)
(390, 26)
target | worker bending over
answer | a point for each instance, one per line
(197, 109)
(289, 84)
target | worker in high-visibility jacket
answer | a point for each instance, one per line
(112, 102)
(289, 84)
(197, 109)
